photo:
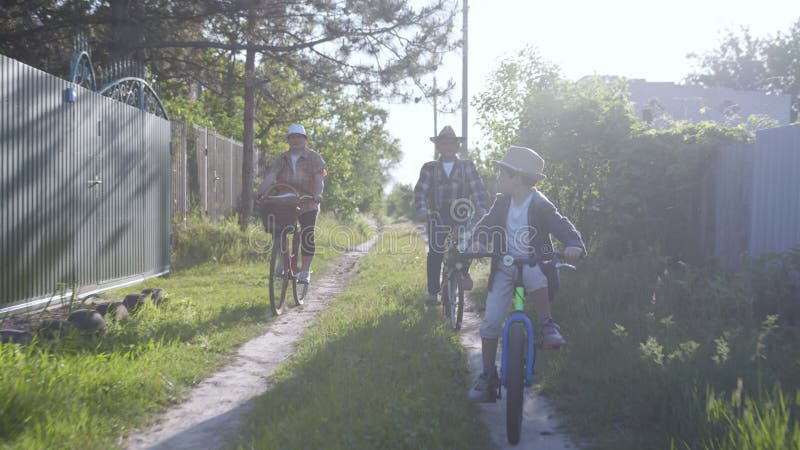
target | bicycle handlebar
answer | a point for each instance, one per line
(294, 199)
(509, 260)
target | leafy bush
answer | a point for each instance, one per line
(198, 241)
(653, 343)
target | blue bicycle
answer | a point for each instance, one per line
(518, 345)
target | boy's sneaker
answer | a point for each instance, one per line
(551, 334)
(485, 389)
(304, 277)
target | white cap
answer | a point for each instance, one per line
(296, 128)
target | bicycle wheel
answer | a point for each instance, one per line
(445, 293)
(456, 301)
(278, 279)
(299, 290)
(515, 381)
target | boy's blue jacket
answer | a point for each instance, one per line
(544, 219)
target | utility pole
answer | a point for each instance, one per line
(464, 91)
(435, 114)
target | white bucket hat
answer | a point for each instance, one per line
(525, 161)
(296, 128)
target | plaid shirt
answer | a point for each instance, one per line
(309, 164)
(436, 191)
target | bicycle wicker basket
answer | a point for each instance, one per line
(280, 207)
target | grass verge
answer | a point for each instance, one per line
(672, 359)
(87, 392)
(376, 370)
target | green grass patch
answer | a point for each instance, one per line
(651, 354)
(86, 392)
(376, 370)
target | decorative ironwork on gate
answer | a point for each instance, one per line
(127, 83)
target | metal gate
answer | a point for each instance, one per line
(84, 190)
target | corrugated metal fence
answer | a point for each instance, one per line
(84, 186)
(775, 216)
(206, 170)
(756, 198)
(219, 172)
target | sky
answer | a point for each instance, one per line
(630, 38)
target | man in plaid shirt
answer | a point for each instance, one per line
(447, 195)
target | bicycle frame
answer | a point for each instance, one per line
(518, 316)
(290, 258)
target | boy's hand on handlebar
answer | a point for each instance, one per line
(573, 254)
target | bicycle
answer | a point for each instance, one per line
(518, 354)
(452, 288)
(282, 211)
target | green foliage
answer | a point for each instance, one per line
(376, 371)
(501, 105)
(766, 422)
(354, 142)
(746, 62)
(774, 283)
(89, 392)
(652, 346)
(656, 181)
(198, 241)
(400, 202)
(629, 189)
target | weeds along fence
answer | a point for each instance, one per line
(753, 204)
(84, 190)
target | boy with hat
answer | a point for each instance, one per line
(520, 222)
(447, 195)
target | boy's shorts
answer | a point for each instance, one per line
(500, 296)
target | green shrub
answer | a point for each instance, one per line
(198, 241)
(650, 345)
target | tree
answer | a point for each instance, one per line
(500, 106)
(770, 65)
(400, 201)
(368, 47)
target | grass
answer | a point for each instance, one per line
(655, 360)
(86, 392)
(651, 354)
(375, 371)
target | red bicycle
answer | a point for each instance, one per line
(281, 203)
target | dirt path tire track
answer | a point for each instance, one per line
(212, 414)
(540, 424)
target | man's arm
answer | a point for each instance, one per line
(421, 193)
(269, 180)
(319, 186)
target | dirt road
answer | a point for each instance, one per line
(540, 422)
(213, 411)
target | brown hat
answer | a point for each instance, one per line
(524, 161)
(446, 133)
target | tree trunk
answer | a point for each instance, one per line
(246, 201)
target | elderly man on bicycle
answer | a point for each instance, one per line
(520, 223)
(448, 193)
(304, 170)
